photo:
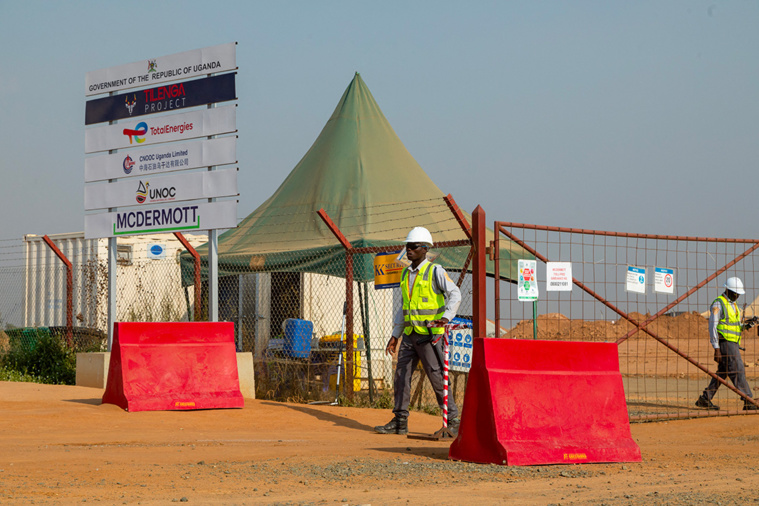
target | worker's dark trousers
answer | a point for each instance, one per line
(431, 356)
(731, 366)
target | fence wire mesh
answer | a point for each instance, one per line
(264, 304)
(661, 328)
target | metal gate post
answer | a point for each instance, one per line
(479, 274)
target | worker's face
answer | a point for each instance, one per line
(732, 295)
(416, 251)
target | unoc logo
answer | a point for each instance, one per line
(142, 192)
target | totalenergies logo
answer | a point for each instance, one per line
(138, 133)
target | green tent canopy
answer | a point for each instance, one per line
(361, 174)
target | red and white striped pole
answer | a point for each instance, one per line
(445, 378)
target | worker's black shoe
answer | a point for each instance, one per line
(703, 402)
(749, 406)
(397, 425)
(453, 426)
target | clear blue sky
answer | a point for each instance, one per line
(633, 116)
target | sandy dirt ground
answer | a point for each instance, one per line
(60, 445)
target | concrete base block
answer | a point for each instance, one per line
(245, 373)
(92, 369)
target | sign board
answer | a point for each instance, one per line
(527, 286)
(664, 280)
(387, 270)
(209, 60)
(175, 127)
(636, 279)
(174, 218)
(460, 350)
(558, 276)
(161, 189)
(164, 98)
(156, 251)
(161, 159)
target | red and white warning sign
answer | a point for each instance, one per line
(664, 280)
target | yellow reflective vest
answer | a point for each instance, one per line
(729, 326)
(420, 302)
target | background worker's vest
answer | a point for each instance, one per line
(423, 304)
(729, 326)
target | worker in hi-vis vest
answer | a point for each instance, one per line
(725, 328)
(430, 300)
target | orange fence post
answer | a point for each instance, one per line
(69, 290)
(196, 256)
(479, 274)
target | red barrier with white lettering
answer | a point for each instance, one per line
(544, 402)
(173, 366)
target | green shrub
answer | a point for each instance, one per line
(48, 360)
(11, 375)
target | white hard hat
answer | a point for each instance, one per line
(735, 285)
(420, 234)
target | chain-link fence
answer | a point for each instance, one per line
(292, 322)
(651, 295)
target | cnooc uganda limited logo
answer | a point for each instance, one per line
(128, 164)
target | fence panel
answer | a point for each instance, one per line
(660, 324)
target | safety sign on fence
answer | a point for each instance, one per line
(664, 280)
(527, 287)
(636, 279)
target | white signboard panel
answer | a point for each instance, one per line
(152, 71)
(527, 287)
(636, 279)
(559, 276)
(173, 218)
(664, 280)
(146, 191)
(175, 127)
(161, 159)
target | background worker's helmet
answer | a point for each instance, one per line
(420, 234)
(735, 285)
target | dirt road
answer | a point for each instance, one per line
(59, 445)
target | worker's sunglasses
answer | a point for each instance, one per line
(414, 245)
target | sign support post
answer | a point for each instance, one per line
(213, 261)
(112, 254)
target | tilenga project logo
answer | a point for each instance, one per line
(130, 105)
(142, 192)
(152, 66)
(138, 133)
(128, 164)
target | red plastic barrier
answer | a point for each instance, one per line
(544, 402)
(173, 366)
